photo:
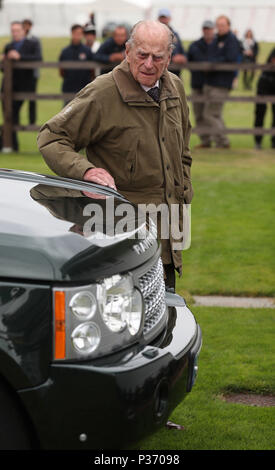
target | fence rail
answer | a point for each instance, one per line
(8, 96)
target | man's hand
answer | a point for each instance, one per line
(179, 59)
(13, 54)
(117, 57)
(100, 176)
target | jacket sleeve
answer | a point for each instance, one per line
(104, 52)
(187, 162)
(32, 51)
(190, 52)
(71, 130)
(178, 49)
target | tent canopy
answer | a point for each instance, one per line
(55, 17)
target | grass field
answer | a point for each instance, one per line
(232, 252)
(236, 356)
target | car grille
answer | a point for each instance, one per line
(152, 287)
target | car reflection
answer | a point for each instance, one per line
(25, 326)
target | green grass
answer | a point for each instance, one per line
(237, 355)
(233, 224)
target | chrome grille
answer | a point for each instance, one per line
(152, 287)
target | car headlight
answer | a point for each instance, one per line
(83, 305)
(120, 304)
(86, 337)
(95, 320)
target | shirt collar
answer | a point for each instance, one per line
(147, 88)
(131, 91)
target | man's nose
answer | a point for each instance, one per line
(149, 62)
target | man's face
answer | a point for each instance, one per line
(165, 19)
(120, 36)
(17, 32)
(222, 26)
(90, 38)
(208, 34)
(148, 58)
(77, 35)
(26, 26)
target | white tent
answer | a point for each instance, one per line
(54, 17)
(188, 15)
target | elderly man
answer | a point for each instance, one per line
(135, 143)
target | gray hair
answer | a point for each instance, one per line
(132, 38)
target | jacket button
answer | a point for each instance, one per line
(168, 167)
(163, 139)
(169, 194)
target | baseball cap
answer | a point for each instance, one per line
(208, 24)
(164, 12)
(90, 28)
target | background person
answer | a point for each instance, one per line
(198, 52)
(223, 49)
(265, 86)
(178, 54)
(113, 48)
(250, 51)
(90, 38)
(75, 79)
(91, 43)
(134, 142)
(20, 49)
(27, 25)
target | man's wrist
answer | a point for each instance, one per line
(86, 171)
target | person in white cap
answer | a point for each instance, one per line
(178, 55)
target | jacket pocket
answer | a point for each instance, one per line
(179, 192)
(127, 164)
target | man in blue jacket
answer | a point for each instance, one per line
(112, 51)
(198, 52)
(224, 49)
(75, 79)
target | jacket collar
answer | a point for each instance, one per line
(131, 91)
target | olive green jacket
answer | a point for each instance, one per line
(144, 145)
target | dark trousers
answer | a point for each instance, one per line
(16, 105)
(32, 104)
(266, 86)
(170, 276)
(248, 75)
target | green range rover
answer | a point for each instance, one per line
(95, 353)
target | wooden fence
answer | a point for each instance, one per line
(8, 96)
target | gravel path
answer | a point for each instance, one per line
(244, 302)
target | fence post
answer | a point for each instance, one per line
(7, 107)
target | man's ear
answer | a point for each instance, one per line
(169, 60)
(127, 52)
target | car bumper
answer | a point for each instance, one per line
(118, 400)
